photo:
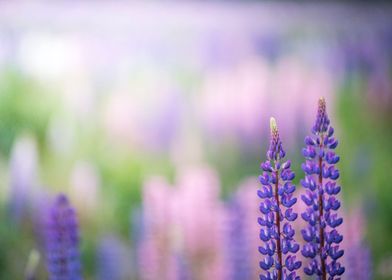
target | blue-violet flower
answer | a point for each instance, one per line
(277, 233)
(321, 235)
(237, 242)
(62, 241)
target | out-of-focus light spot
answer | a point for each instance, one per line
(48, 56)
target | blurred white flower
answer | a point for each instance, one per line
(85, 184)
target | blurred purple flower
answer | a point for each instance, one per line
(321, 236)
(359, 265)
(358, 259)
(249, 202)
(62, 241)
(183, 269)
(112, 258)
(241, 211)
(277, 233)
(237, 245)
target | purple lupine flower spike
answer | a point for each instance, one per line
(62, 241)
(321, 235)
(238, 253)
(277, 233)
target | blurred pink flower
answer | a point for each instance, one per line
(236, 102)
(185, 220)
(142, 117)
(357, 259)
(248, 199)
(200, 217)
(155, 250)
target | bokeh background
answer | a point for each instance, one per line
(153, 118)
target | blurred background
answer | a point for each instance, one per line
(153, 119)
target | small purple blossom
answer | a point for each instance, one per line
(62, 241)
(277, 234)
(321, 235)
(358, 257)
(237, 243)
(359, 264)
(113, 259)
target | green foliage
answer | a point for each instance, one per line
(366, 134)
(24, 108)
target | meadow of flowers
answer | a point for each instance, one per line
(199, 141)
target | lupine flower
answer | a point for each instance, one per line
(358, 258)
(62, 241)
(176, 221)
(200, 213)
(113, 259)
(277, 233)
(183, 271)
(155, 248)
(321, 235)
(241, 212)
(238, 255)
(359, 262)
(245, 195)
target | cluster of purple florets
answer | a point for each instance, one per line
(320, 235)
(62, 241)
(279, 246)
